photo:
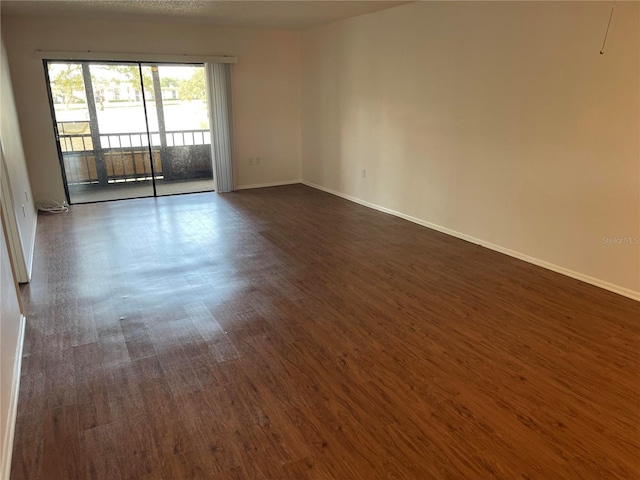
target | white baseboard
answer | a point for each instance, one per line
(512, 253)
(263, 185)
(7, 451)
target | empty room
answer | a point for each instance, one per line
(320, 240)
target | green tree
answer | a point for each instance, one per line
(131, 74)
(66, 81)
(169, 82)
(193, 88)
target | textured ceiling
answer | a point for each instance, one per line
(231, 13)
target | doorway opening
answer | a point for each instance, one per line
(130, 129)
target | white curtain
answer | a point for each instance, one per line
(219, 85)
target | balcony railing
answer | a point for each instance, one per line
(124, 157)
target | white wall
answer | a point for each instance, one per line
(498, 120)
(21, 212)
(15, 194)
(265, 83)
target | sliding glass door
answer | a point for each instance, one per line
(176, 102)
(130, 130)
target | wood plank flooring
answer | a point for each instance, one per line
(284, 333)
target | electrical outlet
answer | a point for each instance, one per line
(364, 173)
(251, 162)
(258, 161)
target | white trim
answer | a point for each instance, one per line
(512, 253)
(271, 184)
(133, 57)
(5, 468)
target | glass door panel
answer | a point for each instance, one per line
(71, 111)
(121, 128)
(100, 120)
(179, 127)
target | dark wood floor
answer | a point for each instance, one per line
(288, 334)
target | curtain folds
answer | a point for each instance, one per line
(219, 85)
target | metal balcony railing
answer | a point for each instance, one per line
(124, 157)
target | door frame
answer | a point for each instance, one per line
(88, 58)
